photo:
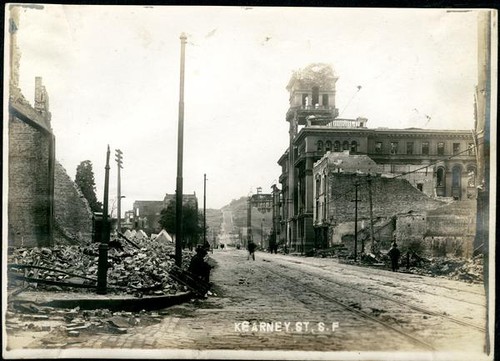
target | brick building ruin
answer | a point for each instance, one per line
(45, 206)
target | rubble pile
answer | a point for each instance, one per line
(467, 270)
(470, 270)
(141, 266)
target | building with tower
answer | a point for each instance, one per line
(439, 163)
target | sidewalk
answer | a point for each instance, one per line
(91, 301)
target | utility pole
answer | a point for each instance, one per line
(119, 161)
(102, 266)
(356, 185)
(262, 232)
(204, 209)
(249, 220)
(372, 235)
(180, 143)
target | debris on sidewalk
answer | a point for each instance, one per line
(75, 322)
(467, 270)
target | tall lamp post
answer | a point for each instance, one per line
(102, 266)
(180, 143)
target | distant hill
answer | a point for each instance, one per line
(214, 221)
(260, 221)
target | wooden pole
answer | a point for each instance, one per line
(102, 266)
(180, 144)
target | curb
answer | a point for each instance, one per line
(134, 304)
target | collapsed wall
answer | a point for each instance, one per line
(404, 214)
(390, 196)
(398, 209)
(72, 213)
(450, 229)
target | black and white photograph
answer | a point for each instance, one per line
(249, 182)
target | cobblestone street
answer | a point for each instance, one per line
(282, 302)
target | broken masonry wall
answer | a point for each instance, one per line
(451, 229)
(410, 231)
(415, 175)
(73, 216)
(383, 230)
(29, 200)
(448, 246)
(390, 196)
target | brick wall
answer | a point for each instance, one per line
(390, 196)
(73, 217)
(29, 201)
(410, 230)
(450, 229)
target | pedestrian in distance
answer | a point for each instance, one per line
(251, 250)
(394, 253)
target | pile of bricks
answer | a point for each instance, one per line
(141, 268)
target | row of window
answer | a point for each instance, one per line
(424, 148)
(337, 146)
(394, 147)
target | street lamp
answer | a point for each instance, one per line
(180, 143)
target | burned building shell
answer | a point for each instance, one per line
(438, 164)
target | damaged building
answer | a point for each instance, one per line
(428, 168)
(45, 207)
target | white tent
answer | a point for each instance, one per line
(132, 234)
(141, 234)
(128, 234)
(163, 237)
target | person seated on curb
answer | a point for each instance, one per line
(198, 266)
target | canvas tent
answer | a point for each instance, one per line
(141, 234)
(163, 236)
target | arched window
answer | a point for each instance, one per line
(320, 146)
(456, 182)
(354, 146)
(440, 177)
(336, 146)
(328, 146)
(345, 145)
(456, 175)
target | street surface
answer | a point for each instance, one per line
(281, 302)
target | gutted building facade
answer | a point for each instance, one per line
(437, 163)
(45, 206)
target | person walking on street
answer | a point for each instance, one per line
(251, 250)
(394, 254)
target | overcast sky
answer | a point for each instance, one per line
(112, 74)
